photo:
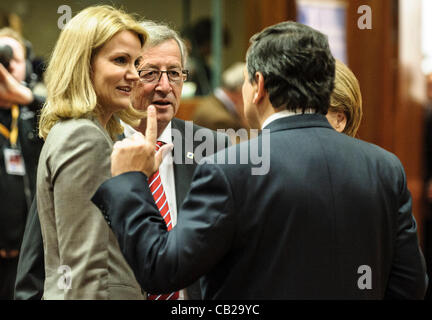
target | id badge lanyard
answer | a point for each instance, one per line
(11, 135)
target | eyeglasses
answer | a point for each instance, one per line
(154, 75)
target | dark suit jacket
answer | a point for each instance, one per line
(31, 274)
(329, 206)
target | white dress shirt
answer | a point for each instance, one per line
(166, 171)
(283, 114)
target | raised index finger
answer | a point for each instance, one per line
(151, 130)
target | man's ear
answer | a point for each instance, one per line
(259, 88)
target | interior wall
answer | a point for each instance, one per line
(386, 60)
(264, 13)
(409, 110)
(40, 19)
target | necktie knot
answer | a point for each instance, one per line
(159, 144)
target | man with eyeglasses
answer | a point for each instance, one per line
(161, 80)
(162, 75)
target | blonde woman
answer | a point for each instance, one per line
(89, 78)
(345, 112)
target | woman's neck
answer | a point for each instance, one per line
(104, 116)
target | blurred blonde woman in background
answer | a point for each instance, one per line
(89, 80)
(345, 112)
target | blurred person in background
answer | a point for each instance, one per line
(20, 148)
(199, 36)
(345, 111)
(34, 65)
(10, 20)
(224, 108)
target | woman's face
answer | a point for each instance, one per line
(114, 71)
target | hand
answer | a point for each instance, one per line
(11, 91)
(138, 153)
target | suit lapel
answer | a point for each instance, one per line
(182, 172)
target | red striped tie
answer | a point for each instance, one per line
(156, 188)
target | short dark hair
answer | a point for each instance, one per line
(297, 66)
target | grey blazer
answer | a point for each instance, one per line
(74, 161)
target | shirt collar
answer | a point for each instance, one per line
(166, 137)
(283, 114)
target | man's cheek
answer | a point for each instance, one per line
(176, 107)
(139, 103)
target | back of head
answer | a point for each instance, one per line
(70, 92)
(233, 76)
(159, 33)
(346, 97)
(297, 66)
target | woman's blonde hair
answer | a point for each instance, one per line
(70, 91)
(346, 97)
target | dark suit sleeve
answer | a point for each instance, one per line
(165, 261)
(408, 279)
(31, 269)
